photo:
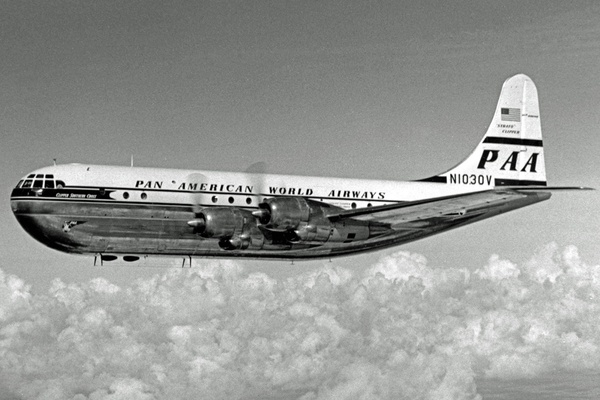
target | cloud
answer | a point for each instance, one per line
(401, 329)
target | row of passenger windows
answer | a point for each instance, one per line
(215, 199)
(40, 181)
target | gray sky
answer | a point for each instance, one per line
(365, 89)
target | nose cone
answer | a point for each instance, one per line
(43, 228)
(41, 218)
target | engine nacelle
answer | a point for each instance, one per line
(220, 222)
(284, 213)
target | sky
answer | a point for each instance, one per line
(362, 89)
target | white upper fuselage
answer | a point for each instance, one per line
(163, 185)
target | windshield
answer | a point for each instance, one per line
(45, 181)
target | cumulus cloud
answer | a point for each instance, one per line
(401, 329)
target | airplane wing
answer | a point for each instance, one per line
(454, 208)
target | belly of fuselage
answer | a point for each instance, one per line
(85, 227)
(128, 228)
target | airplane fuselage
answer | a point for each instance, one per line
(93, 209)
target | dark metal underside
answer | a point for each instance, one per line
(87, 227)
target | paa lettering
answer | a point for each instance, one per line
(512, 162)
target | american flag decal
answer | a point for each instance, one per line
(510, 114)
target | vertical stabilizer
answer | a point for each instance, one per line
(511, 153)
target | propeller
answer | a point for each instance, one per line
(256, 173)
(195, 199)
(256, 177)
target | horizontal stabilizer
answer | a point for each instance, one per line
(547, 188)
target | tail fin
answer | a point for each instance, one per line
(511, 153)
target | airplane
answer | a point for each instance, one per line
(132, 212)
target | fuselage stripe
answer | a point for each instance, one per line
(93, 189)
(513, 141)
(153, 203)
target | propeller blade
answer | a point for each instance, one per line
(195, 197)
(257, 173)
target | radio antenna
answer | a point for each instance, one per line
(132, 160)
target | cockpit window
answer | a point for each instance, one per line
(40, 181)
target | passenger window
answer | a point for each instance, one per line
(40, 176)
(27, 183)
(19, 184)
(31, 176)
(38, 183)
(48, 184)
(49, 176)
